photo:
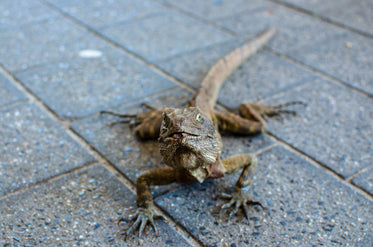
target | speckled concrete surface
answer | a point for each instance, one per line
(67, 173)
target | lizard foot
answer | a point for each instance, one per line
(142, 217)
(259, 111)
(238, 199)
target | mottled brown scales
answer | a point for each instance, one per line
(150, 124)
(190, 142)
(232, 123)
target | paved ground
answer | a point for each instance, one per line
(66, 176)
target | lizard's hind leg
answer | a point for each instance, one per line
(232, 123)
(258, 112)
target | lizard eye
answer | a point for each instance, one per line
(165, 120)
(198, 117)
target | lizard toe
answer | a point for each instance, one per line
(142, 218)
(236, 201)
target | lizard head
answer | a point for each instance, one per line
(188, 140)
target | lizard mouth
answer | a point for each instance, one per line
(179, 136)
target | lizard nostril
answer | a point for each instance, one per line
(178, 136)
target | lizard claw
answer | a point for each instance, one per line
(237, 199)
(142, 217)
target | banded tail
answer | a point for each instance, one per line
(219, 72)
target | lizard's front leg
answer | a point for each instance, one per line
(240, 196)
(145, 213)
(147, 124)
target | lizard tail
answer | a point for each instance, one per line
(225, 66)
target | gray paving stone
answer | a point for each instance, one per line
(216, 9)
(50, 40)
(233, 145)
(305, 206)
(367, 241)
(8, 92)
(325, 47)
(347, 57)
(334, 128)
(14, 13)
(350, 13)
(77, 88)
(79, 209)
(164, 35)
(34, 148)
(365, 180)
(99, 13)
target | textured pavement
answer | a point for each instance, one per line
(67, 173)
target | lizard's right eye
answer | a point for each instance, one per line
(165, 119)
(199, 117)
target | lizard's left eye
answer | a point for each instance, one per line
(198, 117)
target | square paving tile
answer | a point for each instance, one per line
(164, 35)
(347, 57)
(334, 129)
(34, 148)
(50, 40)
(83, 86)
(81, 209)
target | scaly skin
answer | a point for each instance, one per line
(190, 142)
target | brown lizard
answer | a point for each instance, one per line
(190, 143)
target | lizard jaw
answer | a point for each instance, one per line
(199, 173)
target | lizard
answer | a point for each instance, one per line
(190, 142)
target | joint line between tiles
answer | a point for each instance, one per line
(48, 180)
(322, 18)
(317, 72)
